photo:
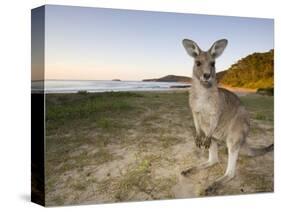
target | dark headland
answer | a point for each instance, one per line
(170, 78)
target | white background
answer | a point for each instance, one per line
(15, 103)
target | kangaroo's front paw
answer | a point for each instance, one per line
(198, 140)
(207, 142)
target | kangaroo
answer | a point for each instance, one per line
(218, 114)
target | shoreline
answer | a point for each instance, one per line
(236, 90)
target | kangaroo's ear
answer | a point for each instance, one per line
(217, 48)
(191, 47)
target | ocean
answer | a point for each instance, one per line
(73, 86)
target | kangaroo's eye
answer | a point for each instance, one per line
(198, 63)
(213, 64)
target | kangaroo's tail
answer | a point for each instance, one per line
(252, 152)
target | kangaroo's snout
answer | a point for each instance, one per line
(206, 76)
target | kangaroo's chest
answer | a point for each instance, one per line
(205, 104)
(205, 108)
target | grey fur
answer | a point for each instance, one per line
(218, 114)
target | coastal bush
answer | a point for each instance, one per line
(266, 91)
(254, 71)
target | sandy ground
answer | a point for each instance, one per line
(239, 91)
(143, 160)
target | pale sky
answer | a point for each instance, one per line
(102, 44)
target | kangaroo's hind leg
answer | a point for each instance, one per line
(233, 146)
(213, 159)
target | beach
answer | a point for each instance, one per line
(132, 146)
(97, 86)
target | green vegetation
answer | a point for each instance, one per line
(68, 109)
(82, 92)
(260, 108)
(266, 91)
(254, 71)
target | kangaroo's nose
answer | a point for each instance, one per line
(206, 75)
